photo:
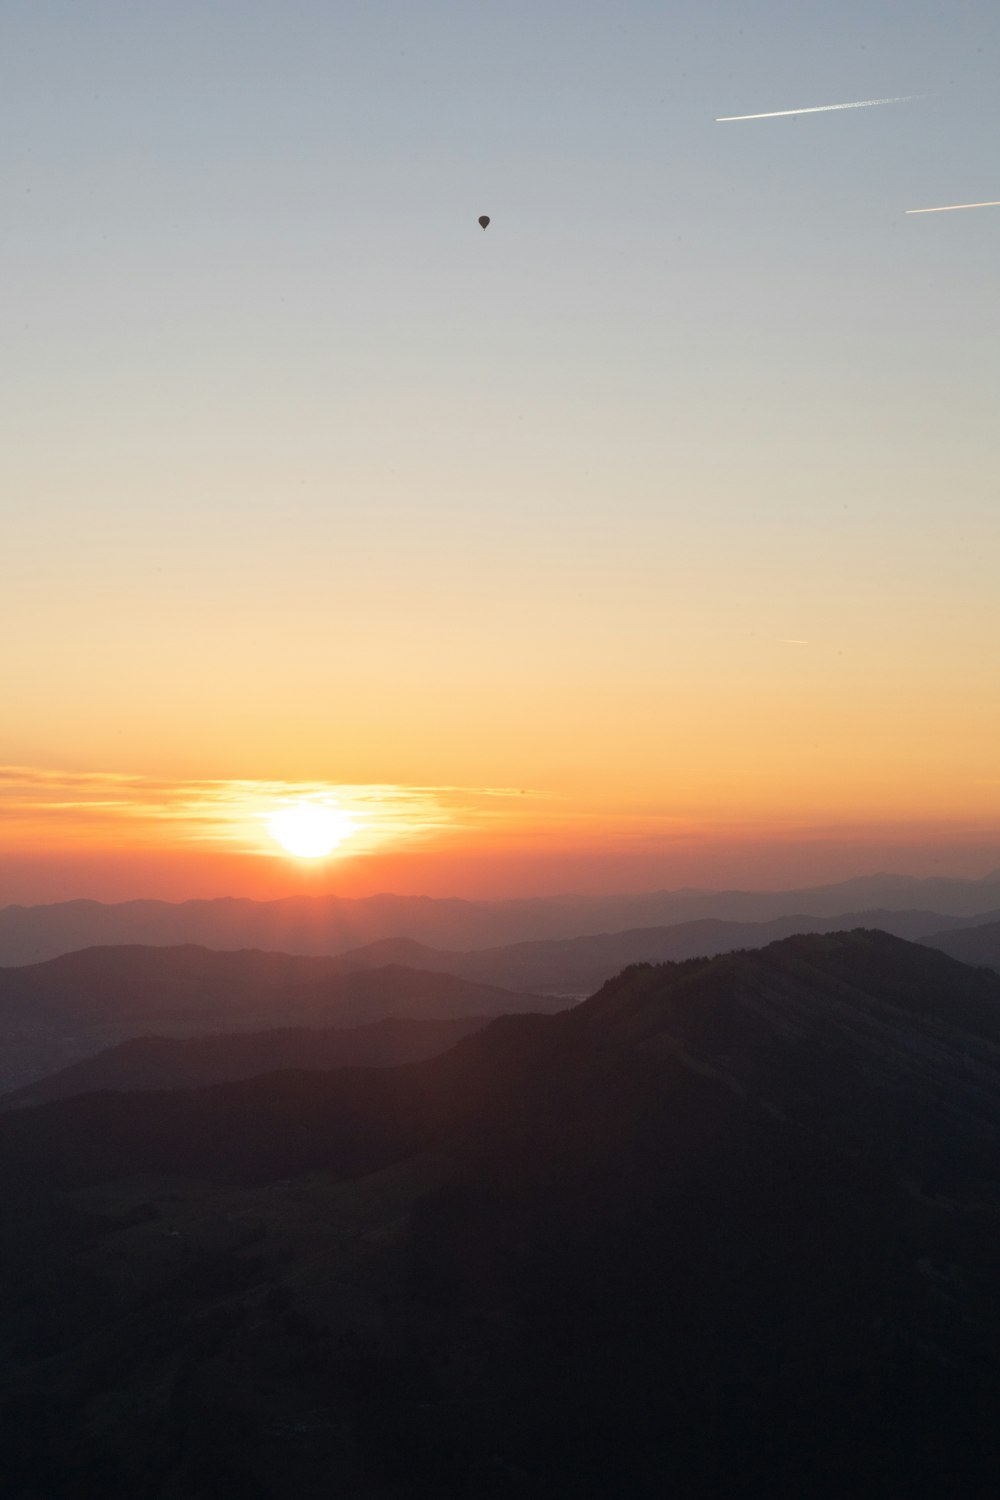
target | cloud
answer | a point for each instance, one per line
(45, 808)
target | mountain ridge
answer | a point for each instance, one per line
(324, 924)
(64, 1009)
(972, 944)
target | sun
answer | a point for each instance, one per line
(309, 831)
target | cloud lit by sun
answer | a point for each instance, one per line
(272, 819)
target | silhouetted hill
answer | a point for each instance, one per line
(331, 924)
(156, 1062)
(834, 1032)
(970, 945)
(727, 1228)
(70, 1007)
(864, 1002)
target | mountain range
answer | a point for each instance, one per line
(333, 924)
(576, 966)
(728, 1227)
(65, 1009)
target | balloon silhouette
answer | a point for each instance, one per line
(484, 219)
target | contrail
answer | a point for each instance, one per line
(949, 208)
(817, 109)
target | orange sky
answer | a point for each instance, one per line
(114, 837)
(649, 538)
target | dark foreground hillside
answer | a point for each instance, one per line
(727, 1229)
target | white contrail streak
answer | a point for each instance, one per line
(817, 109)
(949, 208)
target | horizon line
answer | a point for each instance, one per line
(991, 876)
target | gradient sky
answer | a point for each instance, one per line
(649, 537)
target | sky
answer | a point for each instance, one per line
(647, 538)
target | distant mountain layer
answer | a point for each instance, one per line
(71, 1007)
(577, 966)
(972, 945)
(728, 1227)
(332, 924)
(156, 1062)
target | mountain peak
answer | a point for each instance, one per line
(856, 1026)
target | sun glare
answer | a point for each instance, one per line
(308, 831)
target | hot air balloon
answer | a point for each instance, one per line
(484, 219)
